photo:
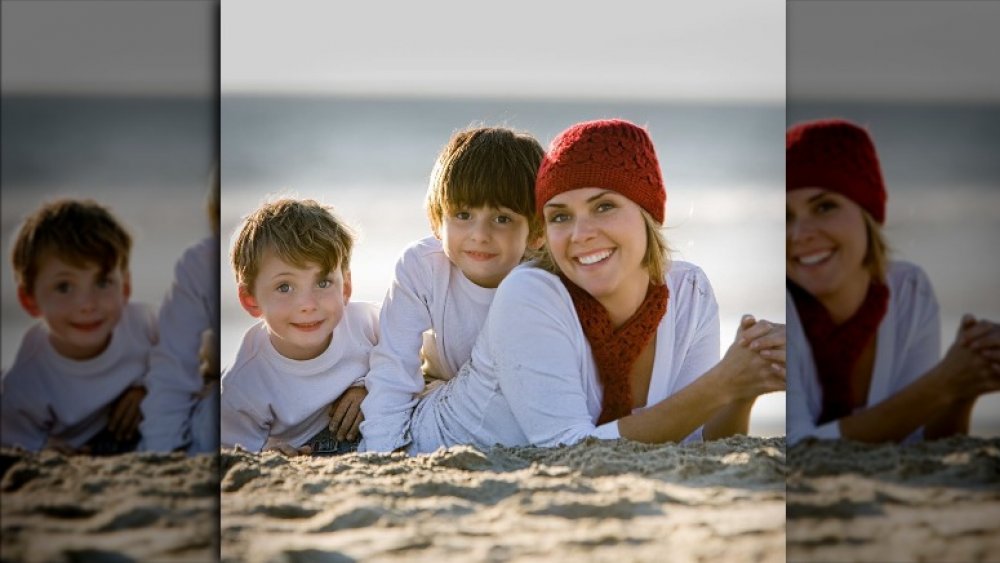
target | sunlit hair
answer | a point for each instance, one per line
(486, 167)
(877, 251)
(212, 199)
(299, 232)
(78, 232)
(656, 259)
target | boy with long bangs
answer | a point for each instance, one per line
(292, 264)
(481, 206)
(77, 380)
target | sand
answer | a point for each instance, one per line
(932, 501)
(133, 507)
(595, 501)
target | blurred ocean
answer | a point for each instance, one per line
(146, 158)
(371, 159)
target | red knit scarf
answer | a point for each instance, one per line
(836, 348)
(616, 350)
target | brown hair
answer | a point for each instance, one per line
(656, 260)
(300, 232)
(78, 232)
(486, 166)
(212, 199)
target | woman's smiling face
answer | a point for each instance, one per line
(825, 242)
(597, 238)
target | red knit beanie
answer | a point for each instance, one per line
(611, 154)
(838, 156)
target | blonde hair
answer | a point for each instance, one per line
(656, 259)
(486, 167)
(877, 251)
(300, 232)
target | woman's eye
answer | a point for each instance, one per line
(284, 288)
(825, 206)
(558, 217)
(605, 206)
(323, 284)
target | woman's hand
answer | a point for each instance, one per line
(756, 360)
(971, 365)
(766, 338)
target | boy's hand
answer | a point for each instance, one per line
(345, 414)
(59, 446)
(287, 449)
(208, 355)
(125, 413)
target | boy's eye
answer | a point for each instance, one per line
(103, 283)
(63, 287)
(283, 288)
(323, 284)
(463, 215)
(504, 219)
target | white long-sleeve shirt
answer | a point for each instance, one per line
(532, 377)
(908, 345)
(47, 395)
(268, 398)
(428, 292)
(174, 381)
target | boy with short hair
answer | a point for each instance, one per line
(77, 380)
(481, 206)
(292, 264)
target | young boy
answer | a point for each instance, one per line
(76, 381)
(181, 410)
(292, 264)
(481, 207)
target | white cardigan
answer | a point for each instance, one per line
(532, 377)
(908, 345)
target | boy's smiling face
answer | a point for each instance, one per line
(300, 306)
(484, 242)
(80, 304)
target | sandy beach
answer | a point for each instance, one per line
(931, 501)
(594, 501)
(133, 507)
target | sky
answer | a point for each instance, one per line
(894, 50)
(731, 50)
(724, 50)
(148, 47)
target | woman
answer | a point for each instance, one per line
(602, 337)
(864, 331)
